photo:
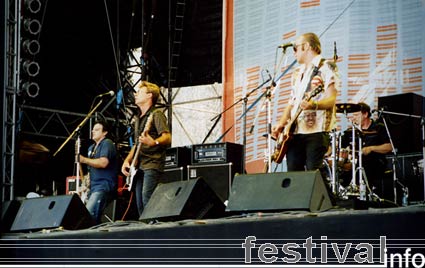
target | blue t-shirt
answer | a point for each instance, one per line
(104, 179)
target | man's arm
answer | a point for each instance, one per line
(380, 149)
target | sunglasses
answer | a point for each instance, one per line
(296, 47)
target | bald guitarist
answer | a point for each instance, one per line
(302, 132)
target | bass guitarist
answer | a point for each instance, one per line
(154, 139)
(302, 132)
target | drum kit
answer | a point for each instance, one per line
(341, 161)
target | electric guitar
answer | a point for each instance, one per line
(287, 134)
(82, 183)
(133, 167)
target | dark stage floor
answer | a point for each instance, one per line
(220, 242)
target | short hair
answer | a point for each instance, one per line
(152, 88)
(313, 40)
(364, 108)
(104, 124)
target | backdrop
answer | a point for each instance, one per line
(378, 44)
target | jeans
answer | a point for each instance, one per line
(146, 182)
(96, 203)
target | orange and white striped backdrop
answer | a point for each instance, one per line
(379, 44)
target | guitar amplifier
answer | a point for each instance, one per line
(177, 157)
(219, 177)
(71, 185)
(218, 153)
(174, 174)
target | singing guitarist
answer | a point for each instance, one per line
(154, 138)
(302, 132)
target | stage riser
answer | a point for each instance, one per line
(218, 240)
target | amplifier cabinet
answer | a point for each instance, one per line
(218, 153)
(405, 131)
(71, 185)
(409, 171)
(177, 157)
(174, 174)
(219, 177)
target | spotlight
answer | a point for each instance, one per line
(31, 46)
(31, 68)
(32, 26)
(33, 6)
(31, 89)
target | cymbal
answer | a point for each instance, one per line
(347, 107)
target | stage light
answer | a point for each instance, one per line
(31, 89)
(32, 26)
(31, 47)
(33, 6)
(31, 68)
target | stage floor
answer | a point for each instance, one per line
(220, 242)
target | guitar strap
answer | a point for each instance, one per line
(313, 74)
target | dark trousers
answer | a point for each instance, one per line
(306, 151)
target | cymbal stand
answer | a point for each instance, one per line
(334, 182)
(353, 184)
(362, 173)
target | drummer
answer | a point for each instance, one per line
(375, 144)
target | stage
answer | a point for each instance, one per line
(321, 237)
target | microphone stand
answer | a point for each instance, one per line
(78, 127)
(245, 110)
(396, 181)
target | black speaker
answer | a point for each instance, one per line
(191, 199)
(174, 174)
(51, 212)
(279, 191)
(9, 210)
(409, 171)
(218, 176)
(405, 131)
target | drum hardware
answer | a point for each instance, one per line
(396, 181)
(354, 188)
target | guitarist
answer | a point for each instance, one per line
(154, 139)
(309, 139)
(103, 170)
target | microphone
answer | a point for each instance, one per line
(285, 46)
(335, 55)
(109, 93)
(271, 78)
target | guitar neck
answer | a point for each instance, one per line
(136, 154)
(308, 98)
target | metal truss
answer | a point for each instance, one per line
(10, 90)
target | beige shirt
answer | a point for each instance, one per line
(313, 121)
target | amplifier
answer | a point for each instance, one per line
(71, 185)
(177, 157)
(219, 177)
(174, 174)
(218, 153)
